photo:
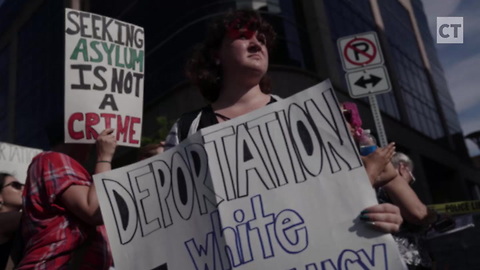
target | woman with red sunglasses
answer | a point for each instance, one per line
(230, 69)
(10, 213)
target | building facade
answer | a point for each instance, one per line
(418, 113)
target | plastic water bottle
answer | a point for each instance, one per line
(367, 143)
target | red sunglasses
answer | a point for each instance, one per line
(238, 28)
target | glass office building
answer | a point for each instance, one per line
(418, 113)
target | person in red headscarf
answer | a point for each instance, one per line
(62, 227)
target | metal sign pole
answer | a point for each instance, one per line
(377, 117)
(366, 75)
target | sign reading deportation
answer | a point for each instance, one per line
(104, 69)
(278, 188)
(15, 159)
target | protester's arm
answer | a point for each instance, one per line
(106, 145)
(383, 217)
(411, 208)
(388, 174)
(82, 200)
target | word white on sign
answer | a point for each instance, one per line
(450, 30)
(368, 81)
(278, 188)
(359, 51)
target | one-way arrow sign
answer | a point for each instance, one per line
(368, 81)
(363, 81)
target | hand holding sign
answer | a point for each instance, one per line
(264, 189)
(106, 144)
(383, 217)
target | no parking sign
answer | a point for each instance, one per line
(360, 50)
(366, 76)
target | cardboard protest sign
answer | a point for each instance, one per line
(279, 188)
(104, 69)
(15, 159)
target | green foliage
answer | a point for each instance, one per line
(163, 127)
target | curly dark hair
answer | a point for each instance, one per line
(201, 68)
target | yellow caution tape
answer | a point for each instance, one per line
(457, 208)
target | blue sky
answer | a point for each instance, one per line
(461, 62)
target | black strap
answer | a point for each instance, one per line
(208, 118)
(225, 118)
(184, 123)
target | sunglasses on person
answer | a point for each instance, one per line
(347, 114)
(411, 175)
(15, 184)
(405, 165)
(240, 28)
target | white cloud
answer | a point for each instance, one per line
(452, 8)
(461, 65)
(471, 23)
(472, 148)
(464, 82)
(438, 8)
(470, 125)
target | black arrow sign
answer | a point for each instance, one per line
(362, 82)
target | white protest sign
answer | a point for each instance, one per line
(104, 69)
(279, 188)
(15, 159)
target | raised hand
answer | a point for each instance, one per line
(378, 162)
(106, 145)
(387, 175)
